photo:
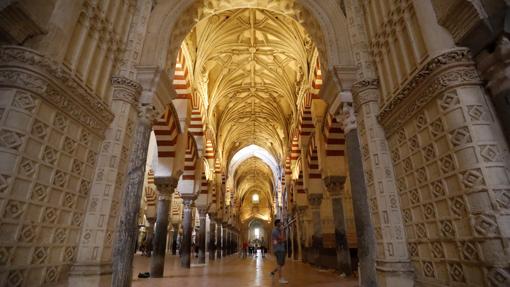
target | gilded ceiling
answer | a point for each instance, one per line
(251, 67)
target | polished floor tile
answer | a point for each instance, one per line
(229, 271)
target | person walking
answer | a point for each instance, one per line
(278, 239)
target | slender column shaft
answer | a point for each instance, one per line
(218, 241)
(186, 237)
(166, 186)
(212, 240)
(175, 234)
(201, 251)
(298, 233)
(124, 248)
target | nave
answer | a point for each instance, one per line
(231, 271)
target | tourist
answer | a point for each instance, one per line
(278, 239)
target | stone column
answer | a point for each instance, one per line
(201, 253)
(224, 239)
(364, 228)
(175, 234)
(124, 248)
(300, 211)
(186, 236)
(212, 239)
(335, 186)
(218, 239)
(166, 186)
(315, 200)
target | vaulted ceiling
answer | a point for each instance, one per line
(251, 68)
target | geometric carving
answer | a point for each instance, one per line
(413, 249)
(447, 228)
(468, 251)
(5, 254)
(438, 188)
(490, 153)
(436, 127)
(60, 178)
(77, 167)
(24, 101)
(40, 255)
(408, 166)
(437, 250)
(456, 272)
(401, 184)
(69, 145)
(421, 175)
(69, 200)
(449, 100)
(460, 136)
(50, 215)
(60, 122)
(413, 143)
(27, 234)
(407, 216)
(395, 155)
(27, 167)
(457, 206)
(60, 235)
(476, 113)
(447, 164)
(40, 130)
(485, 225)
(91, 158)
(428, 152)
(85, 137)
(69, 254)
(499, 277)
(429, 211)
(421, 121)
(401, 135)
(39, 193)
(76, 221)
(84, 187)
(472, 178)
(51, 275)
(14, 209)
(414, 196)
(503, 197)
(428, 269)
(49, 155)
(421, 230)
(15, 278)
(10, 139)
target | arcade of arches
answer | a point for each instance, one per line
(379, 128)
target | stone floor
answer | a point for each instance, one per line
(229, 271)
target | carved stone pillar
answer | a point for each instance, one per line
(212, 239)
(186, 236)
(364, 228)
(124, 248)
(175, 235)
(219, 245)
(335, 186)
(202, 211)
(495, 70)
(166, 186)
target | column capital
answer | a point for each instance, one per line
(335, 184)
(147, 114)
(360, 95)
(126, 90)
(188, 200)
(202, 211)
(346, 117)
(166, 185)
(315, 199)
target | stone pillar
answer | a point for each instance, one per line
(127, 231)
(175, 234)
(364, 228)
(495, 70)
(212, 239)
(335, 186)
(315, 200)
(166, 186)
(224, 239)
(186, 236)
(201, 253)
(218, 239)
(95, 249)
(300, 211)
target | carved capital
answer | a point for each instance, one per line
(365, 91)
(126, 90)
(346, 117)
(315, 199)
(494, 67)
(147, 114)
(335, 185)
(166, 186)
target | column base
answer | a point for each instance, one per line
(93, 268)
(395, 274)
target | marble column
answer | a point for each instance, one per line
(175, 234)
(335, 187)
(124, 248)
(187, 229)
(218, 239)
(364, 228)
(201, 252)
(315, 200)
(212, 239)
(166, 186)
(300, 211)
(224, 239)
